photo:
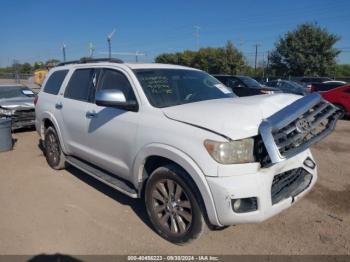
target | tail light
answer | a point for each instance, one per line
(36, 100)
(311, 88)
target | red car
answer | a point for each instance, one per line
(340, 97)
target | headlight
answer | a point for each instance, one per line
(234, 152)
(6, 112)
(267, 92)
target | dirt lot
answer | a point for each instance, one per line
(47, 211)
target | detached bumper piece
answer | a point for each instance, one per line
(23, 118)
(298, 126)
(289, 184)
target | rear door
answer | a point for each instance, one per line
(72, 107)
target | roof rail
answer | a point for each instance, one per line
(92, 60)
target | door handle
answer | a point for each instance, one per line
(91, 114)
(59, 106)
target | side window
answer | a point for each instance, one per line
(80, 84)
(272, 84)
(112, 79)
(232, 83)
(55, 81)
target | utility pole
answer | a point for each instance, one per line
(109, 40)
(256, 57)
(197, 36)
(91, 49)
(137, 56)
(64, 52)
(267, 64)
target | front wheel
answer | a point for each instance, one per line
(172, 206)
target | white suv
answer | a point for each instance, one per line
(180, 139)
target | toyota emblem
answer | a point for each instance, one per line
(303, 126)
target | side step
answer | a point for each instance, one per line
(103, 176)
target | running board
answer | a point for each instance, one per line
(103, 176)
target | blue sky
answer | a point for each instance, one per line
(35, 30)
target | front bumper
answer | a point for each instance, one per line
(257, 184)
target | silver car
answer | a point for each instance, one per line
(17, 103)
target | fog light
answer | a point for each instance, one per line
(242, 205)
(309, 163)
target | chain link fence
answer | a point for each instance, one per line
(16, 78)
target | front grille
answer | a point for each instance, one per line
(23, 117)
(289, 184)
(305, 128)
(298, 126)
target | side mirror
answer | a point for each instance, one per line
(115, 98)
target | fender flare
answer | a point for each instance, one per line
(49, 116)
(187, 163)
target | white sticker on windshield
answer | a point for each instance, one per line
(27, 92)
(223, 88)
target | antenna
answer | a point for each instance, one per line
(64, 51)
(197, 36)
(91, 50)
(109, 40)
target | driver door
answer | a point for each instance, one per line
(112, 131)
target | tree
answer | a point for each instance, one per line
(342, 70)
(25, 68)
(225, 60)
(308, 50)
(52, 62)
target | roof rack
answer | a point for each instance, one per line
(92, 60)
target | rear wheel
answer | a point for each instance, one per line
(53, 153)
(172, 206)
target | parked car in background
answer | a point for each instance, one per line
(245, 85)
(287, 86)
(181, 140)
(340, 97)
(308, 81)
(326, 86)
(17, 102)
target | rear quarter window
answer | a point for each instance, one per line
(54, 82)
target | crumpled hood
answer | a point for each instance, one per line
(15, 103)
(235, 118)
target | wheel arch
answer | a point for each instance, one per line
(155, 155)
(47, 120)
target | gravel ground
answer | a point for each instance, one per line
(67, 212)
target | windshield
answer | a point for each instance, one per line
(250, 82)
(15, 92)
(170, 87)
(294, 85)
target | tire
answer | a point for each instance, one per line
(53, 153)
(172, 205)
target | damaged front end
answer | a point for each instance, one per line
(22, 117)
